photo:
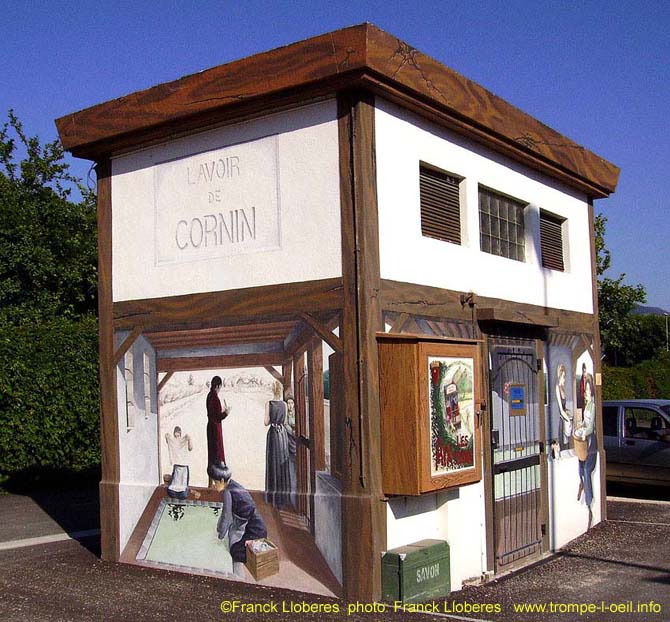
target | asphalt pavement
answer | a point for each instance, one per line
(50, 570)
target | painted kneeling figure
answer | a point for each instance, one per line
(240, 519)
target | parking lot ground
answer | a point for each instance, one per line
(617, 566)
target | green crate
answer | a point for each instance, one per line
(417, 572)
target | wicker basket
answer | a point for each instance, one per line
(581, 448)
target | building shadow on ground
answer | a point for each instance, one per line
(68, 500)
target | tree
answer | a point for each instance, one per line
(48, 241)
(646, 340)
(616, 301)
(48, 329)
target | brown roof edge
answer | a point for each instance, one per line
(216, 89)
(361, 55)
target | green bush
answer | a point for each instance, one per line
(617, 383)
(49, 397)
(649, 379)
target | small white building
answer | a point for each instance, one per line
(409, 257)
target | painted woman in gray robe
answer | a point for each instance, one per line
(277, 470)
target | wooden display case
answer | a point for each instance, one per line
(430, 407)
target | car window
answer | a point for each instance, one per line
(646, 423)
(610, 414)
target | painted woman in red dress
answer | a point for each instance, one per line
(215, 415)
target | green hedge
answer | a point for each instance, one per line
(649, 379)
(49, 397)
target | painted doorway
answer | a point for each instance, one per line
(517, 447)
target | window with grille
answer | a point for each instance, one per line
(501, 223)
(129, 377)
(551, 240)
(440, 205)
(147, 385)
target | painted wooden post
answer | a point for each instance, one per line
(302, 456)
(363, 510)
(597, 366)
(109, 427)
(316, 422)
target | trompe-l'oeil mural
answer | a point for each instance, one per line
(571, 410)
(236, 501)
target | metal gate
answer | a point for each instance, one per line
(516, 444)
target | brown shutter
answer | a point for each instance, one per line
(440, 205)
(551, 236)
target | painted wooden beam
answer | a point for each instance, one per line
(400, 322)
(127, 343)
(287, 376)
(330, 338)
(439, 303)
(212, 309)
(274, 373)
(164, 381)
(219, 362)
(300, 341)
(223, 335)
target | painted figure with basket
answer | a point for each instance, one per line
(586, 446)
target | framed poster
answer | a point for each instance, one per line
(451, 414)
(430, 399)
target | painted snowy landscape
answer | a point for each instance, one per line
(182, 404)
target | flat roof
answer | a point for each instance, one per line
(359, 57)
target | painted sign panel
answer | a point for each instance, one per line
(517, 400)
(217, 203)
(451, 399)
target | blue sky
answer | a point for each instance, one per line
(598, 72)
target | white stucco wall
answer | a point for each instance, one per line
(138, 446)
(290, 158)
(403, 140)
(455, 516)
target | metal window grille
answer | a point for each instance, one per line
(129, 377)
(551, 240)
(440, 205)
(147, 385)
(501, 222)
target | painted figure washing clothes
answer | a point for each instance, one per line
(178, 444)
(240, 519)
